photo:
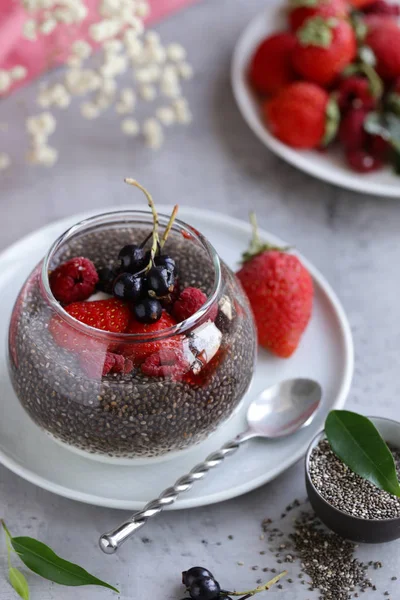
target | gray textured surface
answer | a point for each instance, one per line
(215, 163)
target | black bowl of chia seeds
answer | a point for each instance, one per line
(128, 416)
(349, 505)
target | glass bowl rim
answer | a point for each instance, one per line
(121, 216)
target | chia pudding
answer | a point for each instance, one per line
(129, 415)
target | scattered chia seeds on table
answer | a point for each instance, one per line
(346, 490)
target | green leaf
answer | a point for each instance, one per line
(40, 559)
(19, 582)
(357, 442)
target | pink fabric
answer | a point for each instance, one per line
(51, 50)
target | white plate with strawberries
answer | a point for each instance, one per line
(325, 353)
(330, 164)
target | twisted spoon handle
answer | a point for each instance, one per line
(111, 541)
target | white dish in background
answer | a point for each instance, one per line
(325, 354)
(329, 166)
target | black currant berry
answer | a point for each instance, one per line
(167, 262)
(160, 281)
(106, 279)
(195, 573)
(147, 310)
(128, 287)
(205, 588)
(133, 258)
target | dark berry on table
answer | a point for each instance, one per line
(160, 282)
(148, 310)
(166, 261)
(128, 286)
(106, 279)
(204, 588)
(133, 258)
(195, 573)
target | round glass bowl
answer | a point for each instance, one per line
(133, 415)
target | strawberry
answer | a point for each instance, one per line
(324, 48)
(139, 351)
(280, 291)
(271, 66)
(381, 7)
(107, 315)
(383, 38)
(301, 10)
(302, 115)
(361, 4)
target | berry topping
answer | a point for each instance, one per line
(133, 258)
(108, 315)
(148, 310)
(205, 588)
(189, 302)
(128, 286)
(99, 364)
(160, 282)
(74, 280)
(166, 363)
(195, 573)
(141, 350)
(106, 279)
(162, 260)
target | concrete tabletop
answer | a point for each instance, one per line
(215, 163)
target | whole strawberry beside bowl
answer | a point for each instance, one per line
(280, 292)
(151, 361)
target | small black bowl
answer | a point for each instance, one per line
(370, 531)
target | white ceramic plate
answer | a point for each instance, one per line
(326, 354)
(329, 166)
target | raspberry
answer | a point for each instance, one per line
(98, 364)
(166, 363)
(189, 302)
(379, 147)
(355, 92)
(362, 161)
(351, 131)
(380, 7)
(74, 280)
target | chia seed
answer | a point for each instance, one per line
(131, 415)
(346, 490)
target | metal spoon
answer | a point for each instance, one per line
(277, 412)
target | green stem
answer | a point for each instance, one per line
(150, 202)
(169, 226)
(8, 542)
(261, 588)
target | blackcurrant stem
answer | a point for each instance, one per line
(261, 588)
(150, 202)
(169, 226)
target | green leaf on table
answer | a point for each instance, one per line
(19, 582)
(41, 559)
(358, 443)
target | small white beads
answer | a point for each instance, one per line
(147, 92)
(166, 115)
(29, 30)
(176, 52)
(5, 81)
(55, 95)
(130, 127)
(18, 72)
(89, 110)
(39, 128)
(126, 103)
(5, 161)
(153, 133)
(42, 155)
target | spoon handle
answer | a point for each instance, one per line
(111, 541)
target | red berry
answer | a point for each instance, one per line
(302, 11)
(355, 92)
(379, 147)
(138, 351)
(108, 315)
(189, 302)
(271, 67)
(362, 162)
(96, 364)
(166, 363)
(324, 48)
(351, 131)
(297, 115)
(280, 291)
(384, 39)
(74, 280)
(381, 7)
